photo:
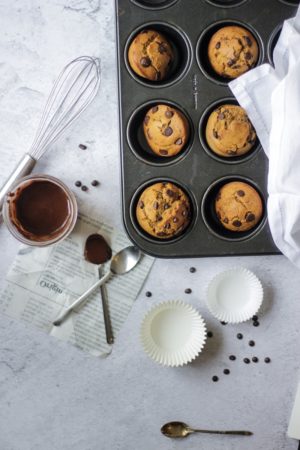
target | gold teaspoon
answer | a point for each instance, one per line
(182, 430)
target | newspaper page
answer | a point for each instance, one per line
(43, 281)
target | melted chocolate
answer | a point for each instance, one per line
(97, 250)
(40, 210)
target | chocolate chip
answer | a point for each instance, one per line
(192, 269)
(163, 152)
(155, 205)
(161, 233)
(148, 294)
(239, 336)
(166, 206)
(84, 188)
(157, 76)
(248, 56)
(226, 371)
(175, 219)
(184, 213)
(252, 343)
(236, 223)
(267, 360)
(169, 114)
(145, 61)
(230, 63)
(168, 131)
(255, 359)
(218, 45)
(141, 204)
(162, 48)
(167, 226)
(210, 334)
(78, 183)
(250, 217)
(215, 133)
(255, 317)
(154, 109)
(231, 152)
(240, 193)
(188, 291)
(215, 378)
(221, 116)
(248, 41)
(223, 323)
(95, 183)
(159, 218)
(226, 220)
(82, 146)
(232, 358)
(256, 323)
(178, 141)
(146, 120)
(171, 193)
(246, 360)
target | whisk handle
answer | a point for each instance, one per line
(23, 168)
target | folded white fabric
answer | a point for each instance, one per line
(271, 97)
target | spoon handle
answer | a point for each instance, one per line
(106, 316)
(236, 433)
(79, 301)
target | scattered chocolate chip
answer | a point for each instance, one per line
(240, 193)
(256, 323)
(230, 63)
(175, 219)
(226, 371)
(162, 48)
(248, 41)
(141, 204)
(223, 323)
(239, 336)
(146, 120)
(157, 76)
(215, 133)
(188, 291)
(169, 114)
(171, 193)
(255, 359)
(148, 294)
(178, 141)
(226, 220)
(237, 223)
(221, 116)
(255, 317)
(82, 146)
(166, 206)
(78, 183)
(159, 218)
(84, 188)
(192, 269)
(232, 358)
(250, 217)
(246, 360)
(218, 45)
(154, 109)
(168, 131)
(184, 213)
(163, 152)
(161, 233)
(95, 183)
(267, 360)
(210, 334)
(145, 61)
(215, 378)
(251, 343)
(248, 56)
(155, 205)
(167, 226)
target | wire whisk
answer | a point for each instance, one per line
(72, 92)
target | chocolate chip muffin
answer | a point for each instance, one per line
(163, 210)
(150, 55)
(229, 131)
(232, 50)
(238, 206)
(166, 130)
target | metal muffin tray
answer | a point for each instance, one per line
(195, 89)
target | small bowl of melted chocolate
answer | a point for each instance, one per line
(40, 210)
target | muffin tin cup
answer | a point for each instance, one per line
(202, 126)
(210, 217)
(202, 45)
(226, 3)
(154, 4)
(290, 2)
(138, 143)
(184, 234)
(182, 53)
(272, 43)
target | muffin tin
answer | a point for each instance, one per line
(194, 89)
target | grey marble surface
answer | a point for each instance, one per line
(54, 397)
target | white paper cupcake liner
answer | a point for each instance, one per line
(173, 333)
(234, 296)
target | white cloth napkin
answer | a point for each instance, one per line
(271, 97)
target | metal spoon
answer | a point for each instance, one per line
(121, 263)
(182, 430)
